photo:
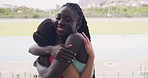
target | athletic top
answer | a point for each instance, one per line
(79, 66)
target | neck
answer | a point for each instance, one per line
(61, 39)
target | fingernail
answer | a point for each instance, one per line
(75, 54)
(70, 44)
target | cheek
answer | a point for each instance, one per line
(71, 26)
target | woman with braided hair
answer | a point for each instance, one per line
(69, 21)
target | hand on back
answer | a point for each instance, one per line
(88, 45)
(62, 53)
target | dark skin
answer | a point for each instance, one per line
(53, 70)
(66, 22)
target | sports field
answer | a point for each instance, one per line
(24, 27)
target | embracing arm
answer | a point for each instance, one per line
(37, 50)
(55, 70)
(88, 70)
(57, 67)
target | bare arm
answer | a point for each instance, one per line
(71, 71)
(55, 70)
(88, 71)
(57, 67)
(37, 50)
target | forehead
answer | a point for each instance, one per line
(67, 11)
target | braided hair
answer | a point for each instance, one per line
(46, 33)
(83, 23)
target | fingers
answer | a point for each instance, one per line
(85, 39)
(65, 55)
(67, 46)
(64, 59)
(88, 45)
(68, 52)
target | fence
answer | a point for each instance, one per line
(114, 74)
(98, 75)
(18, 75)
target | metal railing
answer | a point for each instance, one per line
(122, 74)
(19, 75)
(99, 74)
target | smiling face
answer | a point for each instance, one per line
(66, 21)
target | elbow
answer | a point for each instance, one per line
(31, 51)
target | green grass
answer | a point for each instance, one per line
(118, 27)
(17, 28)
(95, 26)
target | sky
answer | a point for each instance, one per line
(40, 4)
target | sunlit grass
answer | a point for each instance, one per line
(95, 26)
(118, 27)
(17, 28)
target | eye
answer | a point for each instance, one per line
(68, 19)
(58, 17)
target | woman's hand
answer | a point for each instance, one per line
(88, 45)
(61, 52)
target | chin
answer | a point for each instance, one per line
(60, 34)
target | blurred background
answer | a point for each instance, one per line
(119, 34)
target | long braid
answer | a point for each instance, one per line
(83, 23)
(84, 28)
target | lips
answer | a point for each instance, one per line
(61, 29)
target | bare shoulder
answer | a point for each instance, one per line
(77, 36)
(76, 40)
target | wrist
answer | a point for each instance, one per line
(48, 50)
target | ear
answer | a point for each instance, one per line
(78, 24)
(77, 28)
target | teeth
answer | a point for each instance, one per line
(61, 29)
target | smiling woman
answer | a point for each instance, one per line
(69, 24)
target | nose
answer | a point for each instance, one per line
(61, 22)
